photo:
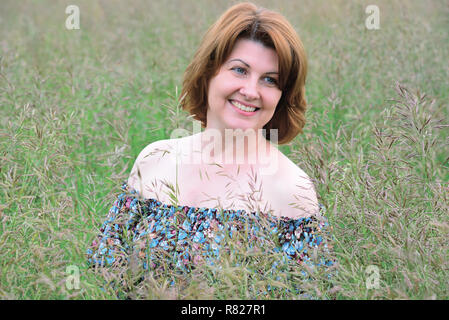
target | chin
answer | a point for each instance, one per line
(241, 126)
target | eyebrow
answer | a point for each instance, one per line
(247, 65)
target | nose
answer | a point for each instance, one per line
(250, 90)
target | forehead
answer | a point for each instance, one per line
(255, 54)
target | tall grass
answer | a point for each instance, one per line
(76, 107)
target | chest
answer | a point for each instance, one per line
(239, 187)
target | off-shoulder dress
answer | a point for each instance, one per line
(162, 236)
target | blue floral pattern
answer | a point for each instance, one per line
(185, 236)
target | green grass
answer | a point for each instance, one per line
(76, 108)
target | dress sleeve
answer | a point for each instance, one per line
(307, 240)
(111, 245)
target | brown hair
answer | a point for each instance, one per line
(247, 21)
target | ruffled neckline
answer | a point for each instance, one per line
(189, 209)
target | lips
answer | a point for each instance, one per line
(244, 108)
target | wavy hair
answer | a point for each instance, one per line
(247, 21)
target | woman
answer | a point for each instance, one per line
(249, 58)
(246, 85)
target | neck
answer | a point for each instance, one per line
(232, 147)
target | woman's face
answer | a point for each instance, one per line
(248, 79)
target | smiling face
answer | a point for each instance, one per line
(244, 93)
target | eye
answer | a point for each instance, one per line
(239, 70)
(271, 80)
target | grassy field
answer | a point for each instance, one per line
(77, 106)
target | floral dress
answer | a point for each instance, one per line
(161, 236)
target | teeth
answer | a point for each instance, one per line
(242, 107)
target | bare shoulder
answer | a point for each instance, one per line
(149, 160)
(296, 196)
(155, 150)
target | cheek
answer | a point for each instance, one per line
(219, 87)
(274, 98)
